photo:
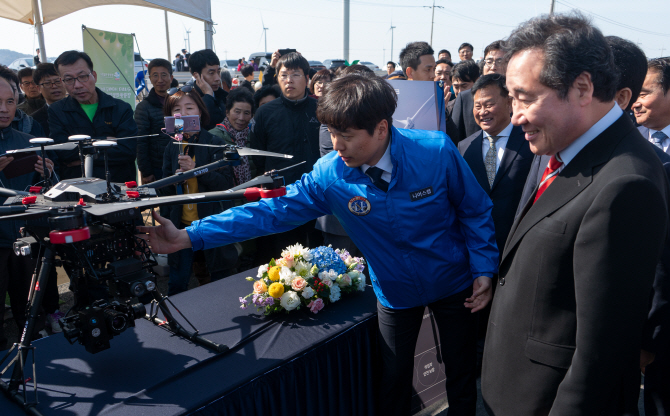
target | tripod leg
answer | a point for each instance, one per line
(34, 303)
(176, 328)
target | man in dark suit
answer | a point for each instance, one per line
(500, 158)
(462, 107)
(578, 265)
(52, 89)
(652, 111)
(510, 156)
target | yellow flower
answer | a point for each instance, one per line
(273, 273)
(276, 290)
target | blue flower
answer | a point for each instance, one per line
(326, 259)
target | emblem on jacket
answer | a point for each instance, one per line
(359, 206)
(421, 193)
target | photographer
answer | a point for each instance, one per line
(216, 263)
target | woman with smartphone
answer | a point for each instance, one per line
(211, 264)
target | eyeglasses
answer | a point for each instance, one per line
(80, 78)
(320, 83)
(52, 84)
(185, 88)
(27, 84)
(490, 61)
(294, 76)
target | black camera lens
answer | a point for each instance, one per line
(116, 321)
(138, 310)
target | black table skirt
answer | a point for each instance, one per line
(297, 364)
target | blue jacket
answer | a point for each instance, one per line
(420, 246)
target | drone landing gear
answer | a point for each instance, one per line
(170, 323)
(24, 347)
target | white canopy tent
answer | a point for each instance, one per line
(27, 11)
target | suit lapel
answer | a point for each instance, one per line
(514, 143)
(570, 182)
(475, 159)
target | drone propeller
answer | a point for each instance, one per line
(11, 192)
(242, 151)
(61, 146)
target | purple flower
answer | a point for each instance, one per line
(244, 303)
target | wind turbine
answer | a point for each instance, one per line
(391, 30)
(265, 29)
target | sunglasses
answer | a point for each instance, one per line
(185, 88)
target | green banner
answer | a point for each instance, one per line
(113, 61)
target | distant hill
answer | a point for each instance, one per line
(7, 56)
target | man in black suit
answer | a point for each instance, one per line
(500, 158)
(652, 111)
(578, 266)
(462, 107)
(510, 156)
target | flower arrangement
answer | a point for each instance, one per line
(305, 278)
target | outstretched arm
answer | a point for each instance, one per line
(164, 238)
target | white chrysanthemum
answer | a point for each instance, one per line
(290, 300)
(261, 270)
(302, 269)
(286, 275)
(307, 292)
(295, 251)
(334, 293)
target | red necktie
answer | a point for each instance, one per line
(550, 173)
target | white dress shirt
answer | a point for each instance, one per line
(666, 142)
(500, 144)
(385, 164)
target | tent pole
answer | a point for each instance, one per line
(40, 31)
(209, 34)
(167, 36)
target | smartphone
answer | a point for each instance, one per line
(283, 52)
(182, 124)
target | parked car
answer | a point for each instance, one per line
(264, 61)
(318, 65)
(370, 65)
(229, 64)
(21, 63)
(333, 63)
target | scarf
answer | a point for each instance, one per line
(240, 138)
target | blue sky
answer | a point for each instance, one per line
(315, 27)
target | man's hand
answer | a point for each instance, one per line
(164, 238)
(185, 163)
(38, 166)
(148, 179)
(481, 294)
(646, 358)
(275, 57)
(447, 95)
(203, 85)
(4, 161)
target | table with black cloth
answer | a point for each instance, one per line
(297, 364)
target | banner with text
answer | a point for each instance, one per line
(113, 61)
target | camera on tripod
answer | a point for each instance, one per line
(96, 324)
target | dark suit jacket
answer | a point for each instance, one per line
(575, 278)
(462, 116)
(509, 181)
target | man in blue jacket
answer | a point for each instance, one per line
(412, 205)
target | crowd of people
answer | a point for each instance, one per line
(535, 229)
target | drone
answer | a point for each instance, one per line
(87, 226)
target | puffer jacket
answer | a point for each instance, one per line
(150, 120)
